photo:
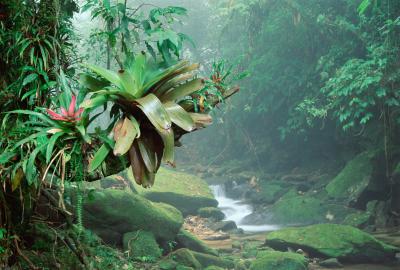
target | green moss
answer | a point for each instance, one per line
(209, 260)
(332, 241)
(186, 192)
(304, 210)
(358, 220)
(211, 212)
(353, 179)
(178, 182)
(275, 260)
(187, 240)
(269, 192)
(115, 212)
(185, 257)
(141, 244)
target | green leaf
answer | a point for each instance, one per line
(124, 136)
(94, 102)
(91, 83)
(155, 111)
(183, 90)
(30, 78)
(99, 157)
(6, 156)
(31, 172)
(30, 138)
(109, 75)
(363, 6)
(50, 146)
(179, 116)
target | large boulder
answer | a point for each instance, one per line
(111, 213)
(360, 181)
(345, 243)
(299, 210)
(276, 260)
(186, 192)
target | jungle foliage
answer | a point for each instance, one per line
(324, 79)
(51, 97)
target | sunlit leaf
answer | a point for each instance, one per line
(155, 111)
(183, 90)
(179, 116)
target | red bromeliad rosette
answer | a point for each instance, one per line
(72, 115)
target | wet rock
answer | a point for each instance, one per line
(345, 243)
(279, 261)
(331, 263)
(224, 226)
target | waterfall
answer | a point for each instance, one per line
(237, 210)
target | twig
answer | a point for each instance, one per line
(20, 253)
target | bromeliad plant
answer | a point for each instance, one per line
(55, 138)
(152, 108)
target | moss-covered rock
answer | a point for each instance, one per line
(333, 241)
(225, 226)
(195, 260)
(185, 257)
(187, 240)
(209, 260)
(268, 192)
(117, 212)
(186, 192)
(275, 260)
(301, 210)
(356, 177)
(359, 220)
(211, 212)
(141, 244)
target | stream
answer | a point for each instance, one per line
(237, 210)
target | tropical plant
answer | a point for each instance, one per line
(152, 108)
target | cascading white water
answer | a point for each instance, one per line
(236, 211)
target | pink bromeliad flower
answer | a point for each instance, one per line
(68, 116)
